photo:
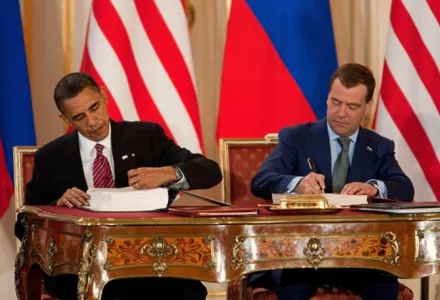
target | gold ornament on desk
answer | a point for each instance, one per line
(303, 204)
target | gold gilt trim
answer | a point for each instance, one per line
(422, 236)
(420, 258)
(209, 241)
(160, 249)
(314, 252)
(19, 186)
(394, 258)
(282, 219)
(85, 274)
(21, 257)
(51, 252)
(236, 258)
(225, 145)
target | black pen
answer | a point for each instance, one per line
(312, 168)
(133, 160)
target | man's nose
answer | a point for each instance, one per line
(92, 120)
(342, 111)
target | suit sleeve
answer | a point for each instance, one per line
(276, 172)
(399, 186)
(199, 171)
(39, 190)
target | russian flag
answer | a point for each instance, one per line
(16, 116)
(279, 57)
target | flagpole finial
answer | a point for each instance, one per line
(190, 13)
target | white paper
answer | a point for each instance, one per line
(127, 199)
(344, 200)
(334, 199)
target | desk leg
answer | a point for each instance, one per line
(22, 265)
(425, 288)
(237, 289)
(86, 275)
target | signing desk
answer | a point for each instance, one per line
(100, 247)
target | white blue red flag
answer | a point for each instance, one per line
(16, 117)
(279, 58)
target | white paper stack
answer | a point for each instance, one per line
(127, 199)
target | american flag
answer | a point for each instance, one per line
(409, 105)
(140, 51)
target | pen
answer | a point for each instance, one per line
(133, 160)
(312, 168)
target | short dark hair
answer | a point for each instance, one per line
(71, 86)
(352, 74)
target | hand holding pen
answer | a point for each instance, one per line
(313, 183)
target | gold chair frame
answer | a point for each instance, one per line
(225, 145)
(19, 185)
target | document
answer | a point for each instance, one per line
(126, 199)
(333, 199)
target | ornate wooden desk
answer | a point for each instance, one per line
(100, 247)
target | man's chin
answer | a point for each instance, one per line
(98, 135)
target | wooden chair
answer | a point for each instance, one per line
(23, 167)
(240, 160)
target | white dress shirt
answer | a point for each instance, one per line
(88, 155)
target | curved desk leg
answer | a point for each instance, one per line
(22, 265)
(425, 288)
(237, 289)
(86, 290)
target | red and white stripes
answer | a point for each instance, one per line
(139, 50)
(409, 104)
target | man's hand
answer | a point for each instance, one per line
(73, 197)
(311, 184)
(359, 188)
(149, 178)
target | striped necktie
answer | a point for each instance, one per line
(102, 174)
(342, 165)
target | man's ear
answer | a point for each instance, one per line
(369, 104)
(103, 93)
(63, 117)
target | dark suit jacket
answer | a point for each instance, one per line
(373, 158)
(58, 165)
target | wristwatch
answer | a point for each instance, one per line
(178, 173)
(376, 186)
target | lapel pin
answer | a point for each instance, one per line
(124, 156)
(369, 149)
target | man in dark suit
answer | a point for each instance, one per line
(348, 159)
(104, 153)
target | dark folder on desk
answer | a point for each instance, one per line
(218, 211)
(399, 207)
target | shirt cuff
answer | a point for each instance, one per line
(292, 184)
(383, 191)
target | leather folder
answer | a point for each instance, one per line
(399, 207)
(217, 211)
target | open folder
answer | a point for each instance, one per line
(399, 207)
(216, 211)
